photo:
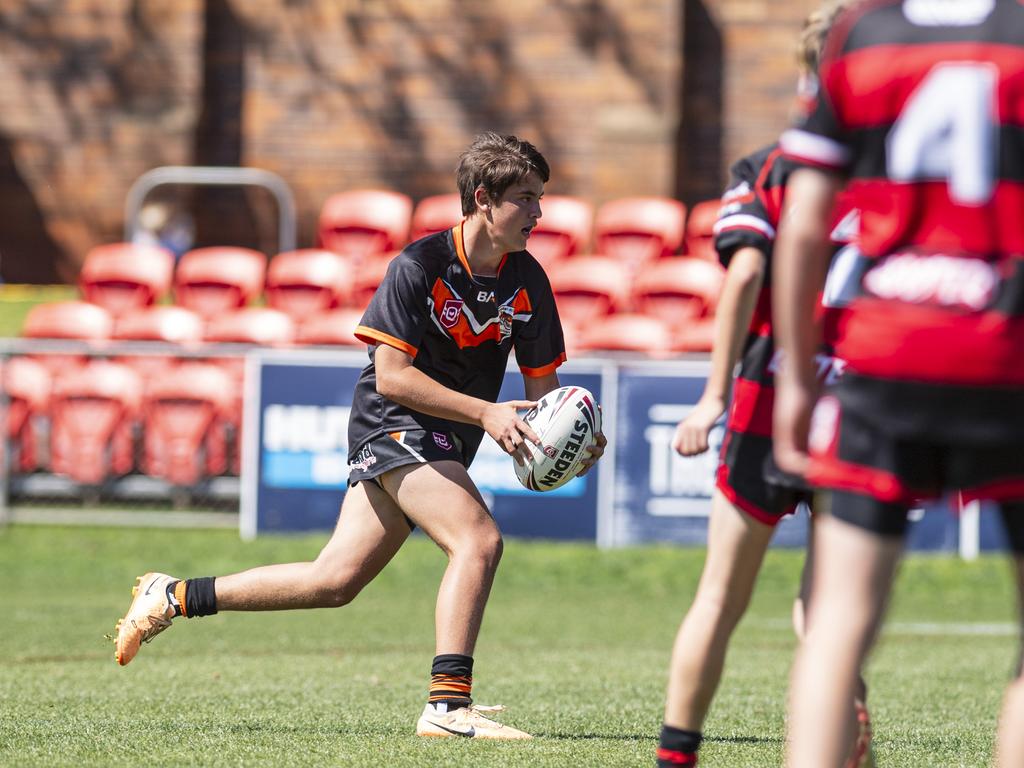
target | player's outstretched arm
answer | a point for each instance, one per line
(802, 251)
(399, 380)
(740, 289)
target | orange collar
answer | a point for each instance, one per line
(460, 250)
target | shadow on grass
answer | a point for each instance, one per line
(743, 739)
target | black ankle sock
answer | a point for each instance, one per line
(678, 747)
(451, 680)
(200, 597)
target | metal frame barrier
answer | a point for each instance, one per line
(214, 176)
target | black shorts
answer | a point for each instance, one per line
(852, 452)
(890, 519)
(749, 478)
(397, 449)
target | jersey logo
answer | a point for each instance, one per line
(364, 459)
(450, 312)
(505, 314)
(453, 316)
(936, 279)
(485, 296)
(442, 441)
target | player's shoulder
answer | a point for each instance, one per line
(430, 254)
(871, 23)
(751, 166)
(525, 264)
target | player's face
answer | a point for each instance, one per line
(516, 213)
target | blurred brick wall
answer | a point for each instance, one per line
(337, 94)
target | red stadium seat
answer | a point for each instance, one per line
(563, 229)
(368, 278)
(336, 327)
(364, 222)
(27, 387)
(169, 324)
(261, 326)
(256, 326)
(637, 230)
(93, 411)
(679, 291)
(72, 320)
(123, 276)
(700, 237)
(305, 282)
(589, 287)
(184, 418)
(698, 336)
(436, 214)
(213, 280)
(172, 324)
(628, 333)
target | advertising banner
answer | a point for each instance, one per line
(295, 463)
(296, 448)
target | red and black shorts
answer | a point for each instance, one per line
(749, 478)
(397, 449)
(899, 443)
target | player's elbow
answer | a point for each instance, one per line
(387, 385)
(747, 268)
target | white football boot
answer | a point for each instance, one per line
(149, 614)
(467, 723)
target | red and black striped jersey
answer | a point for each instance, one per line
(750, 213)
(458, 328)
(921, 104)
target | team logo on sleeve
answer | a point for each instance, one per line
(450, 312)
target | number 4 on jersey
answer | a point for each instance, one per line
(947, 131)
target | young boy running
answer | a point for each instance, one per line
(918, 117)
(441, 326)
(751, 496)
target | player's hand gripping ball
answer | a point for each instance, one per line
(566, 420)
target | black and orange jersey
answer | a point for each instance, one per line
(458, 328)
(921, 104)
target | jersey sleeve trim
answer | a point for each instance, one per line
(373, 336)
(535, 373)
(814, 149)
(744, 221)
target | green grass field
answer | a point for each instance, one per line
(576, 642)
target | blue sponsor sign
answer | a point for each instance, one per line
(296, 440)
(295, 466)
(295, 455)
(658, 494)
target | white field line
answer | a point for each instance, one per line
(922, 628)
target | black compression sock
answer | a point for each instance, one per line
(678, 747)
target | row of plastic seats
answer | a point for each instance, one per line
(262, 326)
(636, 230)
(101, 420)
(214, 281)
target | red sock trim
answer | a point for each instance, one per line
(676, 758)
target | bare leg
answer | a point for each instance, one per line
(1010, 740)
(441, 499)
(370, 530)
(736, 547)
(852, 577)
(802, 603)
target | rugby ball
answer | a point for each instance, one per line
(566, 420)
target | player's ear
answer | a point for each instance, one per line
(483, 200)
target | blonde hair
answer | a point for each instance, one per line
(815, 30)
